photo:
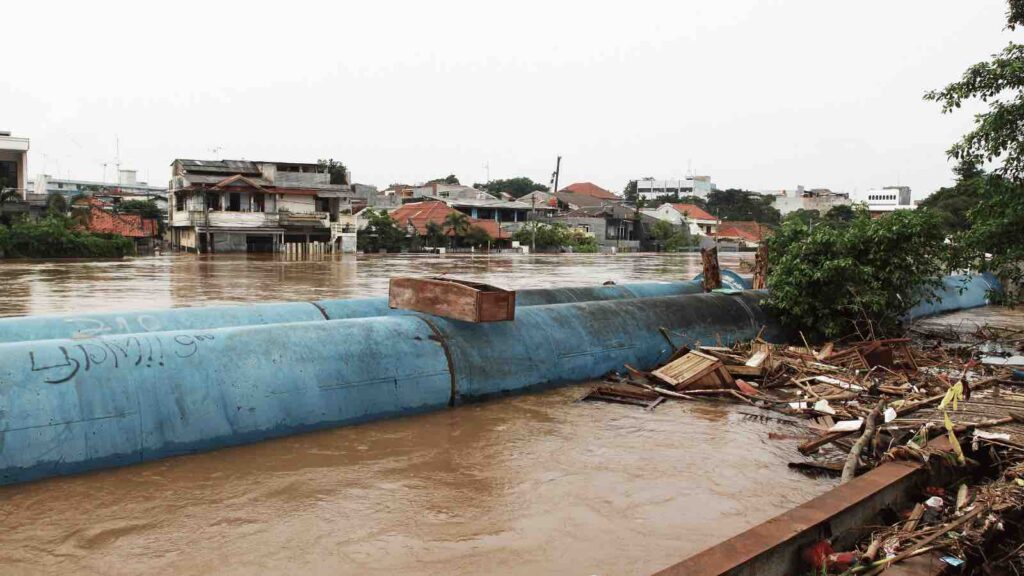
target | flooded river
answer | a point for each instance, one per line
(172, 281)
(533, 484)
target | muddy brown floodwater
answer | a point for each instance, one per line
(42, 287)
(533, 484)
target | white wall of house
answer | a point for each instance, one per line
(668, 213)
(665, 212)
(297, 204)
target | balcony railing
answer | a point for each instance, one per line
(230, 219)
(307, 219)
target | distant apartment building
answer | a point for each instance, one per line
(700, 186)
(13, 163)
(820, 199)
(127, 187)
(886, 199)
(242, 205)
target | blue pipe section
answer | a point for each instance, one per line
(69, 405)
(958, 292)
(76, 325)
(548, 345)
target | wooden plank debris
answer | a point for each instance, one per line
(695, 369)
(453, 298)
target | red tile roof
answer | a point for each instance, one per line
(129, 225)
(743, 230)
(693, 211)
(591, 189)
(420, 213)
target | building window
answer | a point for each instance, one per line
(179, 202)
(8, 174)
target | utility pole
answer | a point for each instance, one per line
(558, 168)
(533, 228)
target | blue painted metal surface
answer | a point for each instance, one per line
(47, 327)
(73, 405)
(68, 405)
(958, 292)
(549, 345)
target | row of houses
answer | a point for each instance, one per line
(245, 205)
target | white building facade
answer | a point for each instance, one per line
(886, 199)
(700, 186)
(14, 163)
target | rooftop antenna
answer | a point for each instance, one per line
(487, 166)
(117, 156)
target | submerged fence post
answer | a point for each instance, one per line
(761, 267)
(712, 278)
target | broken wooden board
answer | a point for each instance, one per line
(755, 371)
(695, 369)
(453, 298)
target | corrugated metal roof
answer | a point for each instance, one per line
(220, 166)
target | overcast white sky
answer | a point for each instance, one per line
(756, 93)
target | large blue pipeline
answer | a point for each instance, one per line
(87, 324)
(69, 405)
(958, 292)
(86, 400)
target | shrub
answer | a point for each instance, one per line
(57, 236)
(862, 276)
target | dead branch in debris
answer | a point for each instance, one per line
(870, 426)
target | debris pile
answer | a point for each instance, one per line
(864, 403)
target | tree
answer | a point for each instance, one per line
(457, 223)
(736, 204)
(995, 222)
(840, 213)
(144, 208)
(449, 179)
(548, 236)
(337, 170)
(515, 187)
(804, 217)
(435, 235)
(381, 233)
(834, 281)
(630, 194)
(476, 236)
(668, 237)
(8, 195)
(56, 204)
(1000, 83)
(953, 204)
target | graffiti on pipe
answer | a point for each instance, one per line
(61, 363)
(120, 324)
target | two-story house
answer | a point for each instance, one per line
(241, 205)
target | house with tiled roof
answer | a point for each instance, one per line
(590, 189)
(101, 219)
(415, 216)
(698, 220)
(745, 233)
